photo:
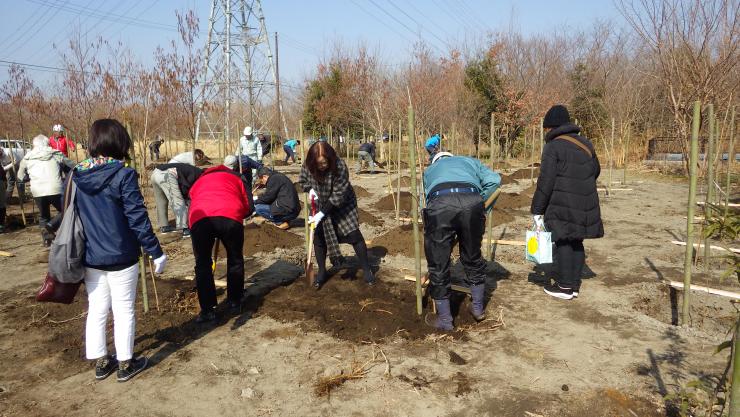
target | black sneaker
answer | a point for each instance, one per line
(105, 366)
(185, 233)
(559, 292)
(206, 316)
(167, 229)
(235, 308)
(128, 369)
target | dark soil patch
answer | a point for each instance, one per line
(400, 241)
(505, 179)
(265, 238)
(350, 310)
(280, 163)
(361, 192)
(405, 181)
(386, 203)
(48, 339)
(524, 174)
(367, 218)
(512, 200)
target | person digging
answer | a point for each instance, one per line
(456, 188)
(279, 202)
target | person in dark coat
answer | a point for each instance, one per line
(154, 148)
(247, 166)
(279, 202)
(116, 227)
(566, 202)
(366, 153)
(325, 177)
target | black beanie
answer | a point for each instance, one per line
(556, 116)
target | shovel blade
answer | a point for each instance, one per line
(310, 273)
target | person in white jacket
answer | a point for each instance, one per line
(187, 158)
(250, 146)
(44, 166)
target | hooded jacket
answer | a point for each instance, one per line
(43, 166)
(566, 187)
(62, 144)
(220, 192)
(281, 195)
(113, 215)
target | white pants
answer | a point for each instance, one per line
(106, 290)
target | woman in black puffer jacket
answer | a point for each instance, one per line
(566, 201)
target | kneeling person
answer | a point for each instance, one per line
(456, 188)
(279, 203)
(220, 200)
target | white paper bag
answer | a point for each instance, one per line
(538, 248)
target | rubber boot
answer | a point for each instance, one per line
(443, 319)
(477, 307)
(2, 219)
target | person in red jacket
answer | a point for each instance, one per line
(219, 200)
(60, 142)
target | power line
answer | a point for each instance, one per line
(383, 22)
(32, 27)
(108, 16)
(419, 24)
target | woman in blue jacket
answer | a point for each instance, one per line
(116, 225)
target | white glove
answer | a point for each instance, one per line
(539, 221)
(255, 198)
(312, 195)
(160, 263)
(316, 218)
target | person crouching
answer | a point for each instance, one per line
(279, 202)
(219, 200)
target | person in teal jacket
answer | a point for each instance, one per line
(289, 148)
(456, 188)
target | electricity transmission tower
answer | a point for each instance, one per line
(239, 77)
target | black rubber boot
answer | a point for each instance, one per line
(477, 307)
(321, 264)
(443, 319)
(361, 252)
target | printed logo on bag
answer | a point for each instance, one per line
(532, 245)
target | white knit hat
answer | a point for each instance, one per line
(230, 161)
(247, 130)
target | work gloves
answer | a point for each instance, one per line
(539, 221)
(160, 263)
(316, 218)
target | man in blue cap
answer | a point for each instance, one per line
(456, 188)
(432, 145)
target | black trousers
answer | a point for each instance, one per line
(570, 256)
(44, 204)
(203, 235)
(446, 218)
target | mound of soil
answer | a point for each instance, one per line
(524, 174)
(52, 334)
(405, 181)
(505, 179)
(361, 192)
(400, 241)
(367, 218)
(280, 163)
(265, 238)
(386, 203)
(512, 200)
(350, 310)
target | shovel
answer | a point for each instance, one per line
(310, 274)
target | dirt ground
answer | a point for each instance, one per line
(614, 351)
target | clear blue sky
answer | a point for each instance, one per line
(307, 29)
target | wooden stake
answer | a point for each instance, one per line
(693, 156)
(626, 154)
(144, 294)
(154, 282)
(489, 248)
(398, 163)
(714, 291)
(415, 208)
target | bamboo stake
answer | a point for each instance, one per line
(144, 294)
(626, 150)
(489, 248)
(611, 159)
(415, 207)
(542, 137)
(735, 387)
(730, 161)
(477, 145)
(694, 155)
(154, 282)
(709, 197)
(531, 156)
(398, 160)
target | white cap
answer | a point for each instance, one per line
(230, 161)
(247, 130)
(56, 128)
(440, 155)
